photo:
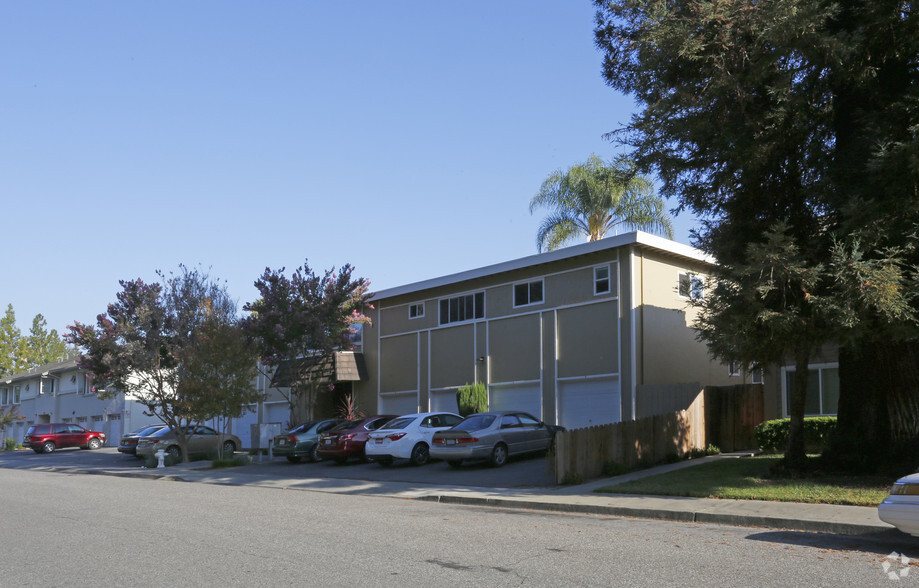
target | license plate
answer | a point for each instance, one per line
(378, 441)
(450, 441)
(328, 441)
(282, 442)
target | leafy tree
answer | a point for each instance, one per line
(472, 398)
(8, 416)
(592, 198)
(161, 343)
(299, 323)
(18, 353)
(803, 113)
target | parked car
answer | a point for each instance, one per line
(45, 438)
(201, 441)
(128, 443)
(303, 441)
(408, 437)
(901, 507)
(348, 439)
(493, 436)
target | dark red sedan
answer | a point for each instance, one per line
(47, 438)
(347, 440)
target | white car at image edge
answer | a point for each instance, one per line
(901, 508)
(408, 437)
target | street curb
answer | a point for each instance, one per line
(780, 523)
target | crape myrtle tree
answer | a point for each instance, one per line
(300, 321)
(163, 344)
(797, 116)
(592, 198)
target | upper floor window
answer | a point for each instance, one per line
(462, 308)
(601, 280)
(528, 293)
(416, 310)
(690, 286)
(5, 396)
(734, 368)
(16, 395)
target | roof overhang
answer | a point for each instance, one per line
(342, 366)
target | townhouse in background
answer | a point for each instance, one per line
(586, 335)
(580, 336)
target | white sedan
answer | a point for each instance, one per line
(901, 508)
(408, 437)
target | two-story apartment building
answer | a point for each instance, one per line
(573, 336)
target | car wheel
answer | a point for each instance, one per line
(340, 460)
(293, 459)
(498, 455)
(455, 463)
(48, 447)
(314, 453)
(94, 443)
(175, 452)
(420, 454)
(229, 448)
(385, 461)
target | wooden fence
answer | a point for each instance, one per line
(731, 414)
(584, 452)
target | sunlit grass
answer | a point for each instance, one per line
(749, 479)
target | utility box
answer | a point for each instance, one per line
(264, 433)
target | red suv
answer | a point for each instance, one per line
(47, 438)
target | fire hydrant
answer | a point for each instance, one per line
(160, 455)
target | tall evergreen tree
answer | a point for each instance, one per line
(801, 112)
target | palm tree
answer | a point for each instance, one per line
(593, 198)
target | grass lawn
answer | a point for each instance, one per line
(748, 478)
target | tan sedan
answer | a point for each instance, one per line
(202, 441)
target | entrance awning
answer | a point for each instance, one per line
(343, 366)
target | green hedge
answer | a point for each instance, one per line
(472, 398)
(773, 435)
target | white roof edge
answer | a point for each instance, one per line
(632, 238)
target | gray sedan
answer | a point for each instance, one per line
(492, 436)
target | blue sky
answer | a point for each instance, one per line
(405, 138)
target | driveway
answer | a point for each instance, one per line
(529, 472)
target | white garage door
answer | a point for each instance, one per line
(278, 412)
(525, 397)
(444, 401)
(399, 403)
(588, 403)
(242, 427)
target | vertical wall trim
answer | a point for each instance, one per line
(555, 361)
(633, 310)
(379, 358)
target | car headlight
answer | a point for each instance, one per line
(904, 489)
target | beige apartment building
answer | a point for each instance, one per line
(575, 336)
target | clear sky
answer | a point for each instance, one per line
(403, 137)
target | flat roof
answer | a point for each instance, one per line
(634, 238)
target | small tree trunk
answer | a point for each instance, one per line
(795, 455)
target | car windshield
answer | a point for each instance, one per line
(149, 430)
(400, 423)
(302, 428)
(476, 422)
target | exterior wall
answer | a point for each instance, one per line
(573, 346)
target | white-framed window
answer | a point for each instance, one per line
(16, 395)
(356, 336)
(734, 368)
(756, 376)
(416, 310)
(5, 396)
(822, 389)
(529, 293)
(602, 280)
(81, 419)
(462, 308)
(690, 286)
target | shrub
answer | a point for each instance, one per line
(472, 398)
(614, 468)
(236, 461)
(712, 449)
(11, 444)
(772, 436)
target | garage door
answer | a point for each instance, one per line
(525, 397)
(588, 403)
(399, 403)
(444, 401)
(277, 412)
(242, 427)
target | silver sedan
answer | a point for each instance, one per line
(492, 436)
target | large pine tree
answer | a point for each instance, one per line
(803, 113)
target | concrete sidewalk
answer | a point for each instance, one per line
(822, 518)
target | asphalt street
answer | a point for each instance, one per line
(74, 529)
(518, 473)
